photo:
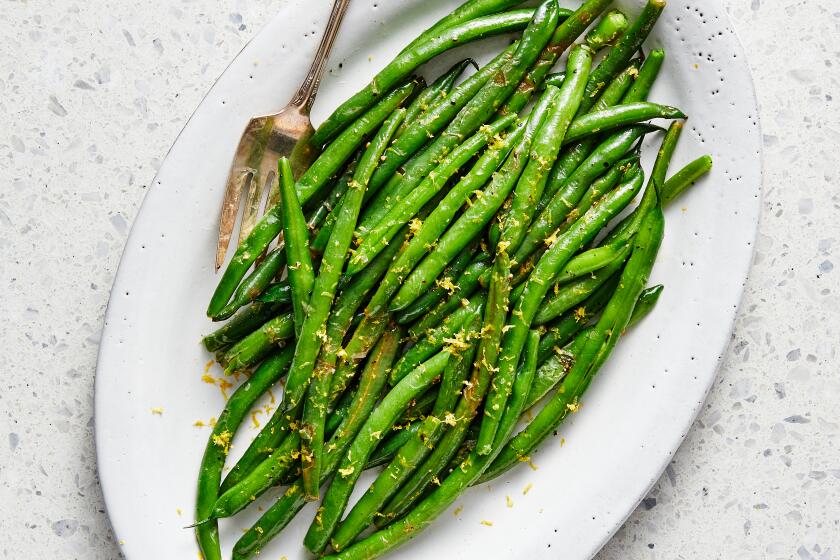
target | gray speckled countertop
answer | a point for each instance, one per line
(93, 94)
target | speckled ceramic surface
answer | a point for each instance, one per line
(149, 391)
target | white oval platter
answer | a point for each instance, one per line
(601, 463)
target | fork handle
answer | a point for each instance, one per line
(305, 95)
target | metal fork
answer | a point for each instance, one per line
(268, 138)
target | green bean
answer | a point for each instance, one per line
(574, 188)
(255, 284)
(241, 324)
(372, 382)
(478, 110)
(376, 237)
(562, 39)
(296, 238)
(645, 304)
(443, 286)
(597, 345)
(380, 421)
(470, 224)
(592, 260)
(323, 291)
(521, 390)
(647, 76)
(389, 447)
(552, 371)
(545, 148)
(470, 9)
(415, 450)
(260, 343)
(335, 199)
(434, 94)
(607, 30)
(210, 473)
(278, 292)
(467, 284)
(323, 169)
(410, 59)
(543, 276)
(364, 338)
(619, 116)
(491, 334)
(624, 49)
(437, 338)
(684, 178)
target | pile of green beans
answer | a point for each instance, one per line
(447, 264)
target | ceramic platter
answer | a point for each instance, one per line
(595, 471)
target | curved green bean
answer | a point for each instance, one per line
(210, 473)
(296, 237)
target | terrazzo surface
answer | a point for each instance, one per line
(93, 94)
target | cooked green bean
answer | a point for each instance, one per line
(684, 178)
(259, 344)
(210, 473)
(296, 238)
(242, 324)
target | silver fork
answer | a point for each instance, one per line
(268, 138)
